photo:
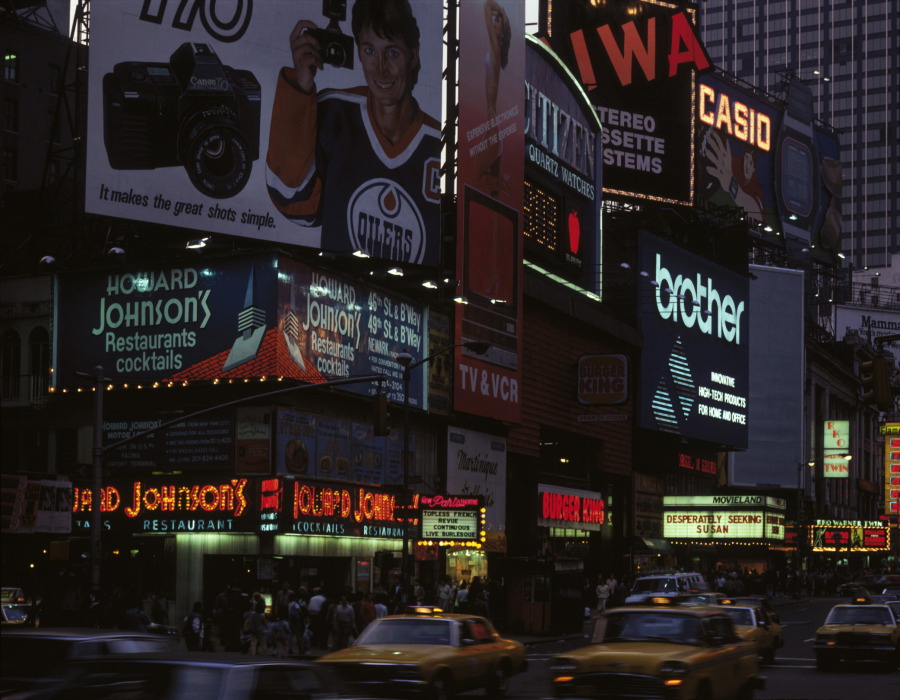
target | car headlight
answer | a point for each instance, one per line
(673, 668)
(563, 666)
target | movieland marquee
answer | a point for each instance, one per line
(731, 517)
(695, 373)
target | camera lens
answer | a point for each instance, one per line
(334, 55)
(216, 157)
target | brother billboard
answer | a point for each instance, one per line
(695, 320)
(268, 120)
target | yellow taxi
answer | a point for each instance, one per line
(754, 625)
(431, 654)
(858, 631)
(659, 650)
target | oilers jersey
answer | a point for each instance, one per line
(328, 166)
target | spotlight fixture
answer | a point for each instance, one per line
(396, 271)
(625, 266)
(197, 243)
(47, 261)
(644, 273)
(429, 284)
(654, 283)
(460, 299)
(115, 250)
(360, 254)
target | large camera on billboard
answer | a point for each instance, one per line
(337, 47)
(192, 111)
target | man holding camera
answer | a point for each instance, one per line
(362, 163)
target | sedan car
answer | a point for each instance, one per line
(661, 651)
(17, 614)
(29, 656)
(176, 676)
(433, 654)
(755, 626)
(755, 601)
(858, 632)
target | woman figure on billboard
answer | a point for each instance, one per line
(487, 165)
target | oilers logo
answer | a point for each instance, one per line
(384, 221)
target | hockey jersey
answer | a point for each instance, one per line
(329, 166)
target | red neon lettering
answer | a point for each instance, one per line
(683, 34)
(585, 69)
(632, 48)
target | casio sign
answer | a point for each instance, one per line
(675, 300)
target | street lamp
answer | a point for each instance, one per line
(405, 360)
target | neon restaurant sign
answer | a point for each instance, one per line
(169, 507)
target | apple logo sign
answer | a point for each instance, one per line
(574, 231)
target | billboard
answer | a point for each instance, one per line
(308, 445)
(850, 535)
(563, 170)
(724, 517)
(736, 136)
(695, 378)
(259, 316)
(868, 323)
(638, 63)
(476, 466)
(558, 506)
(452, 520)
(271, 121)
(489, 199)
(892, 469)
(777, 362)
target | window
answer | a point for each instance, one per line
(39, 363)
(11, 67)
(10, 361)
(9, 165)
(55, 76)
(10, 115)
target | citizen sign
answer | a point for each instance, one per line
(686, 300)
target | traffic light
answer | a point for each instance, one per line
(382, 419)
(876, 383)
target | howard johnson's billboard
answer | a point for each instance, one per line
(695, 362)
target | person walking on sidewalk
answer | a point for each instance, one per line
(602, 592)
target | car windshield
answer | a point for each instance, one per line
(859, 615)
(16, 612)
(740, 616)
(647, 626)
(655, 585)
(406, 631)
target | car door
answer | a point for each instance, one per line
(474, 669)
(725, 673)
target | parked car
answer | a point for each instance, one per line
(432, 654)
(175, 676)
(29, 656)
(662, 650)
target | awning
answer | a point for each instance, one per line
(654, 546)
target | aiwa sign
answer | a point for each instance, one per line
(694, 316)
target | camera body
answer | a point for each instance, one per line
(193, 111)
(337, 47)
